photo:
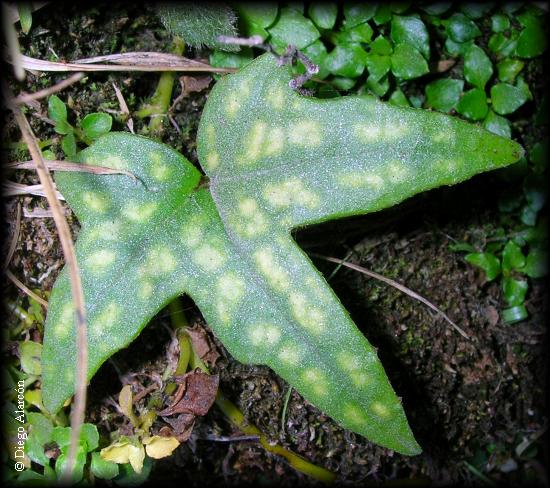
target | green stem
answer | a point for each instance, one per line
(160, 101)
(235, 416)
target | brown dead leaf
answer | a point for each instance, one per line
(202, 345)
(191, 84)
(181, 426)
(195, 394)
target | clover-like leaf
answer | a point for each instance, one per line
(276, 161)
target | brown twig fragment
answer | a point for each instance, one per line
(25, 289)
(46, 92)
(395, 284)
(77, 417)
(15, 237)
(124, 108)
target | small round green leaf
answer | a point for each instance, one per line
(499, 22)
(473, 104)
(68, 145)
(536, 263)
(532, 41)
(357, 13)
(96, 124)
(383, 13)
(30, 353)
(346, 60)
(508, 69)
(512, 257)
(514, 314)
(456, 49)
(477, 66)
(514, 291)
(260, 14)
(507, 98)
(378, 87)
(57, 110)
(378, 65)
(398, 98)
(444, 94)
(487, 262)
(407, 62)
(461, 29)
(381, 46)
(497, 124)
(476, 10)
(105, 470)
(223, 59)
(358, 33)
(292, 28)
(323, 14)
(503, 45)
(410, 29)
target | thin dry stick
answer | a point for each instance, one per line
(77, 417)
(12, 42)
(184, 64)
(15, 237)
(124, 108)
(61, 165)
(46, 92)
(395, 284)
(11, 189)
(25, 289)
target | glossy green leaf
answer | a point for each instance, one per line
(508, 69)
(89, 437)
(499, 22)
(407, 62)
(398, 98)
(378, 87)
(502, 44)
(536, 263)
(461, 29)
(276, 161)
(512, 257)
(57, 111)
(473, 104)
(410, 29)
(381, 46)
(346, 60)
(357, 13)
(30, 353)
(514, 314)
(444, 94)
(457, 48)
(96, 124)
(359, 33)
(342, 83)
(222, 59)
(514, 290)
(476, 10)
(507, 98)
(487, 262)
(378, 66)
(323, 14)
(497, 124)
(40, 433)
(292, 28)
(68, 145)
(262, 15)
(105, 470)
(77, 473)
(383, 13)
(436, 8)
(477, 66)
(532, 41)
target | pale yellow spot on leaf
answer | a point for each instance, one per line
(305, 133)
(229, 290)
(114, 162)
(255, 141)
(139, 212)
(251, 221)
(105, 320)
(264, 335)
(64, 324)
(290, 354)
(146, 290)
(380, 409)
(95, 201)
(290, 192)
(380, 133)
(355, 414)
(277, 98)
(212, 160)
(159, 170)
(275, 142)
(208, 257)
(100, 260)
(307, 315)
(278, 278)
(361, 179)
(316, 379)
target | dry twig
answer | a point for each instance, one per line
(46, 92)
(395, 284)
(77, 417)
(25, 289)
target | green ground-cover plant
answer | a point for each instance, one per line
(275, 160)
(87, 130)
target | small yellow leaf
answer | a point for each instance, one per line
(122, 452)
(125, 400)
(158, 447)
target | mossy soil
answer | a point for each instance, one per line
(471, 403)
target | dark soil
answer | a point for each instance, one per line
(471, 403)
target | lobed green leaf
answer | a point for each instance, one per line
(276, 161)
